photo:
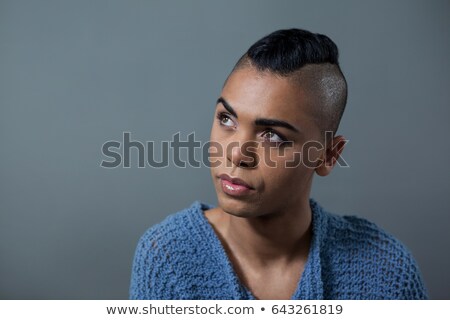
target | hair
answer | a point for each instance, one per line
(309, 59)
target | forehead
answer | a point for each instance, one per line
(256, 94)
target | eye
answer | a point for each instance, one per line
(272, 136)
(225, 120)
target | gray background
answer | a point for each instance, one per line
(75, 74)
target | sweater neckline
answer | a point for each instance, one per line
(309, 287)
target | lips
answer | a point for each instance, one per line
(235, 187)
(235, 181)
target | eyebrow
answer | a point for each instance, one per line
(259, 121)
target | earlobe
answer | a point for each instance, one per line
(324, 169)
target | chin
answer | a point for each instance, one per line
(238, 207)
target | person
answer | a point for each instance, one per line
(279, 110)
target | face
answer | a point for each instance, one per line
(261, 126)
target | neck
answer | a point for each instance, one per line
(282, 236)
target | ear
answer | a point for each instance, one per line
(331, 155)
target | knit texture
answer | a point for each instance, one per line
(349, 258)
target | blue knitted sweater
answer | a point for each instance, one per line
(349, 258)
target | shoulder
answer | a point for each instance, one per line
(348, 231)
(373, 258)
(174, 227)
(162, 251)
(357, 233)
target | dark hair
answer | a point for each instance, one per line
(286, 52)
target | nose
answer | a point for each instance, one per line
(243, 153)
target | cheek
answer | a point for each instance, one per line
(286, 186)
(284, 171)
(284, 177)
(304, 158)
(286, 157)
(313, 152)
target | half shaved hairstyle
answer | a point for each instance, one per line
(311, 61)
